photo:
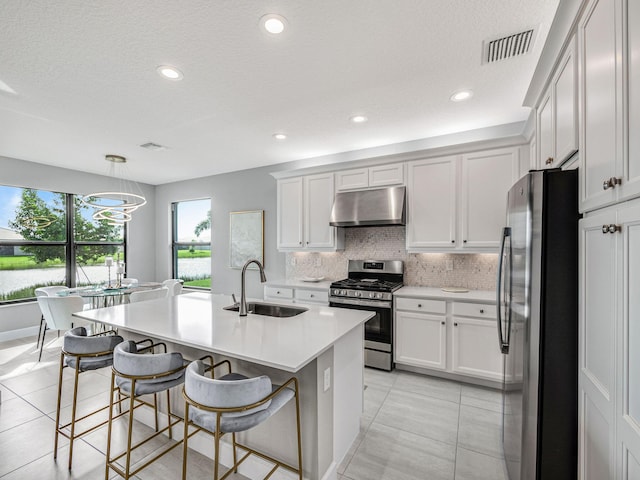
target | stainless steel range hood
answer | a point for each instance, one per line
(367, 208)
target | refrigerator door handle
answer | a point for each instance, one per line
(504, 346)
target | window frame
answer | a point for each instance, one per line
(70, 244)
(175, 244)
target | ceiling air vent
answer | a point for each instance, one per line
(153, 146)
(507, 47)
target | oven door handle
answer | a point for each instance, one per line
(360, 302)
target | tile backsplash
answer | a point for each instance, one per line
(472, 271)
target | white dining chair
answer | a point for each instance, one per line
(174, 285)
(129, 281)
(144, 295)
(46, 292)
(57, 312)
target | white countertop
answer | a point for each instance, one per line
(299, 283)
(198, 320)
(484, 296)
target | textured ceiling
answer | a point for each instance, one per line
(85, 81)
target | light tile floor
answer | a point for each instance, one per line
(413, 426)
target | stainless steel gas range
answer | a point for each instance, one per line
(370, 286)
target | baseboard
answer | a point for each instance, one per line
(451, 376)
(18, 333)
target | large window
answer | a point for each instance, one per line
(192, 242)
(50, 238)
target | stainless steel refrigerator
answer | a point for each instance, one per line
(537, 297)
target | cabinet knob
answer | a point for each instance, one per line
(442, 322)
(311, 295)
(453, 241)
(611, 228)
(464, 241)
(611, 183)
(299, 243)
(307, 242)
(277, 292)
(482, 310)
(455, 324)
(548, 161)
(419, 305)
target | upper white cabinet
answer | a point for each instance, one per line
(557, 114)
(458, 203)
(609, 102)
(304, 209)
(377, 176)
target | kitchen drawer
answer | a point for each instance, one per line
(478, 310)
(314, 296)
(421, 305)
(278, 292)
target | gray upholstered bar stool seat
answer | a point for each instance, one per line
(82, 353)
(137, 370)
(234, 403)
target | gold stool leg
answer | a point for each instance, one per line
(73, 410)
(55, 442)
(169, 415)
(235, 455)
(130, 429)
(108, 455)
(185, 438)
(216, 436)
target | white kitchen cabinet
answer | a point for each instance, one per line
(609, 379)
(304, 295)
(292, 292)
(486, 178)
(455, 337)
(304, 208)
(557, 114)
(421, 340)
(610, 107)
(431, 204)
(377, 176)
(278, 294)
(475, 348)
(458, 203)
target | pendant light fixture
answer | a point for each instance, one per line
(116, 206)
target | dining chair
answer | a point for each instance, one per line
(129, 281)
(234, 403)
(174, 285)
(46, 292)
(57, 312)
(144, 295)
(82, 353)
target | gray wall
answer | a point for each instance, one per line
(141, 240)
(244, 190)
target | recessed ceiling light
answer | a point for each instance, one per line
(169, 72)
(280, 136)
(273, 23)
(358, 119)
(461, 95)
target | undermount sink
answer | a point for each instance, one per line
(269, 309)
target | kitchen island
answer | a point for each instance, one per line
(322, 347)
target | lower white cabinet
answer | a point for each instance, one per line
(293, 294)
(441, 335)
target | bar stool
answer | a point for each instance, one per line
(234, 403)
(145, 295)
(137, 370)
(82, 353)
(174, 285)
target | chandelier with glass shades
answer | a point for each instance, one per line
(116, 206)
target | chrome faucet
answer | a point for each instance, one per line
(243, 296)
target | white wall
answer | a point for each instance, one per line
(251, 189)
(141, 245)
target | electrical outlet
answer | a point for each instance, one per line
(449, 265)
(327, 379)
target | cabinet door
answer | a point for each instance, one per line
(382, 175)
(600, 132)
(545, 133)
(596, 381)
(290, 213)
(352, 179)
(475, 350)
(431, 204)
(628, 395)
(631, 171)
(420, 340)
(486, 179)
(565, 103)
(318, 193)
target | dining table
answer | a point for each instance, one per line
(102, 296)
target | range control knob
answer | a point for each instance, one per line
(357, 294)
